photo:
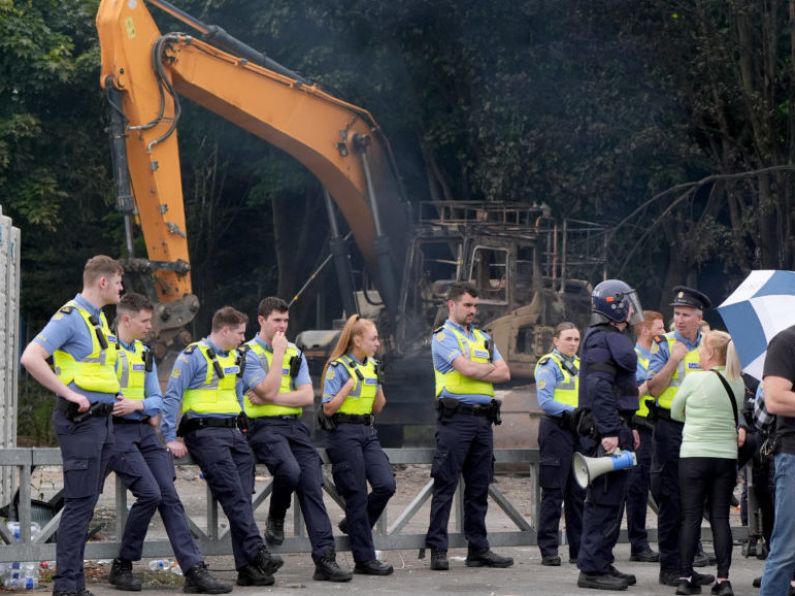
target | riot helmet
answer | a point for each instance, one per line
(617, 301)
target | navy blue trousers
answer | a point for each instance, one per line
(558, 487)
(464, 446)
(228, 466)
(665, 488)
(286, 448)
(147, 469)
(638, 492)
(85, 450)
(602, 515)
(357, 458)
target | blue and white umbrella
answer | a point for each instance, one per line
(757, 310)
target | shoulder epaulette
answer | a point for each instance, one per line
(336, 363)
(544, 359)
(66, 309)
(438, 329)
(243, 349)
(190, 349)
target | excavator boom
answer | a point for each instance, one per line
(146, 74)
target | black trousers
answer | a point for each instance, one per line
(709, 479)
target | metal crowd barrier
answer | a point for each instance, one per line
(215, 539)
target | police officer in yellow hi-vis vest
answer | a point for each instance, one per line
(557, 386)
(676, 357)
(278, 387)
(352, 394)
(141, 460)
(205, 384)
(84, 379)
(466, 364)
(639, 478)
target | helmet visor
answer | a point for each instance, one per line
(635, 314)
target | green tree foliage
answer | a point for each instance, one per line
(590, 106)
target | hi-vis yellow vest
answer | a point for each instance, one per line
(265, 359)
(475, 350)
(96, 372)
(216, 395)
(365, 385)
(689, 364)
(131, 370)
(643, 408)
(567, 391)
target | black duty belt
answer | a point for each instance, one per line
(120, 420)
(70, 410)
(197, 423)
(279, 417)
(642, 421)
(663, 413)
(366, 419)
(468, 410)
(556, 420)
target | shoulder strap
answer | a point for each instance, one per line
(731, 397)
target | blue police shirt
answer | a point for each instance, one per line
(661, 356)
(642, 374)
(547, 378)
(153, 400)
(189, 372)
(69, 332)
(445, 349)
(336, 380)
(255, 373)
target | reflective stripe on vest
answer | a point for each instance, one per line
(265, 358)
(567, 391)
(215, 396)
(360, 399)
(643, 408)
(453, 381)
(131, 370)
(689, 364)
(96, 371)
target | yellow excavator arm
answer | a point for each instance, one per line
(145, 73)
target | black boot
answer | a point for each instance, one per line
(686, 587)
(439, 560)
(601, 581)
(327, 570)
(121, 576)
(252, 575)
(487, 559)
(628, 577)
(274, 530)
(374, 567)
(199, 581)
(269, 563)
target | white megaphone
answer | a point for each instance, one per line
(588, 468)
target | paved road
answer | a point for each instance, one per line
(413, 577)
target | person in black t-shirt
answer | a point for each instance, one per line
(779, 378)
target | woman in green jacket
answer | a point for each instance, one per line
(709, 403)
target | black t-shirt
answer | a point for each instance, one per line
(780, 362)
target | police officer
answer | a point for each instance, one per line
(278, 386)
(676, 357)
(467, 364)
(609, 392)
(84, 352)
(205, 381)
(638, 492)
(141, 460)
(352, 393)
(556, 376)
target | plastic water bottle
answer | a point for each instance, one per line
(16, 531)
(160, 565)
(176, 569)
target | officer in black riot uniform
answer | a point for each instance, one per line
(609, 392)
